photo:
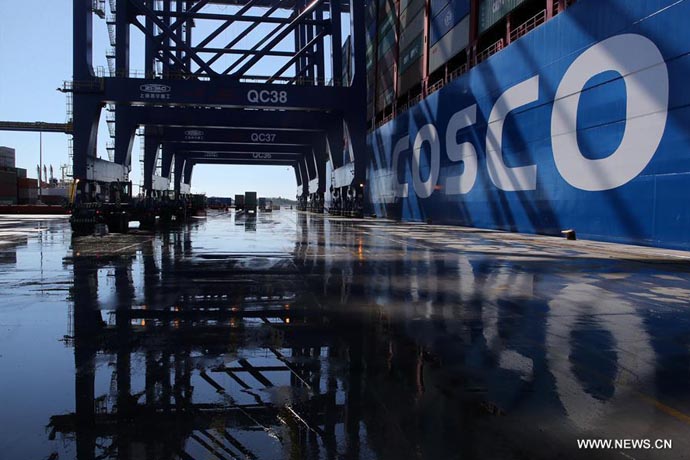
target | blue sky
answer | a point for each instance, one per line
(36, 57)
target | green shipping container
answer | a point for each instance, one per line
(492, 11)
(411, 54)
(386, 25)
(386, 8)
(413, 5)
(387, 42)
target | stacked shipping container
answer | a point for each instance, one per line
(492, 11)
(7, 157)
(27, 191)
(387, 53)
(449, 31)
(371, 17)
(412, 41)
(15, 188)
(8, 176)
(8, 185)
(408, 40)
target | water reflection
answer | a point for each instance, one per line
(364, 342)
(8, 251)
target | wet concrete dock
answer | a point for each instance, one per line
(294, 336)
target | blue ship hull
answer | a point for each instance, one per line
(582, 124)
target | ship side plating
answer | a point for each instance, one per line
(582, 123)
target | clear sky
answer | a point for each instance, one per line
(36, 57)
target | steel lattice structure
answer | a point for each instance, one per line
(246, 76)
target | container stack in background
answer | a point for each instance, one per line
(27, 190)
(15, 187)
(8, 177)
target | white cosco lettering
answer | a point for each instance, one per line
(427, 134)
(644, 71)
(642, 67)
(266, 97)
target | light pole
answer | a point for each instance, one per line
(40, 165)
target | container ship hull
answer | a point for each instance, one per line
(583, 124)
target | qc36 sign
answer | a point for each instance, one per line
(267, 97)
(645, 74)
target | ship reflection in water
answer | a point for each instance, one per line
(295, 337)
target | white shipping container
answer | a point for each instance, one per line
(451, 44)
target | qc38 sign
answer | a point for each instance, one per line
(267, 97)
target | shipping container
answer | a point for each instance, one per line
(385, 79)
(387, 61)
(412, 5)
(414, 28)
(410, 78)
(409, 12)
(250, 201)
(437, 5)
(492, 11)
(8, 186)
(387, 42)
(384, 99)
(410, 55)
(27, 193)
(7, 157)
(449, 45)
(387, 8)
(447, 18)
(239, 202)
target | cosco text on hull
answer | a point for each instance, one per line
(634, 58)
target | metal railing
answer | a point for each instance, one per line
(436, 86)
(486, 53)
(69, 116)
(527, 26)
(455, 73)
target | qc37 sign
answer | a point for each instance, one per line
(265, 138)
(642, 68)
